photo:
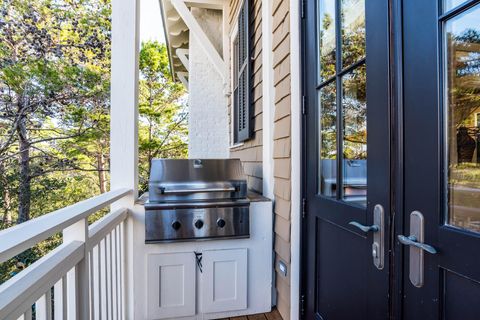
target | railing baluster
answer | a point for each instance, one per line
(122, 270)
(41, 308)
(64, 298)
(100, 287)
(58, 300)
(113, 237)
(95, 283)
(91, 285)
(70, 296)
(109, 276)
(117, 263)
(112, 277)
(103, 263)
(48, 297)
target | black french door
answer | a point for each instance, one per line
(391, 160)
(347, 160)
(441, 93)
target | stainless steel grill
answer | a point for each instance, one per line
(196, 200)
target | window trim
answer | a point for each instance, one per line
(234, 73)
(233, 80)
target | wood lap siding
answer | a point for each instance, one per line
(251, 152)
(282, 148)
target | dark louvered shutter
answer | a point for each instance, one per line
(242, 96)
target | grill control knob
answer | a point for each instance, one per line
(199, 224)
(221, 223)
(176, 225)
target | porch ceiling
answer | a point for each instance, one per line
(176, 36)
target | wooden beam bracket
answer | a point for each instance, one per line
(197, 31)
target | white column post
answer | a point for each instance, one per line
(296, 141)
(268, 97)
(124, 95)
(268, 112)
(124, 122)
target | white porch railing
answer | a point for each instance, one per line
(83, 278)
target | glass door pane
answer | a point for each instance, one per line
(353, 31)
(342, 100)
(328, 140)
(326, 39)
(451, 4)
(462, 69)
(354, 102)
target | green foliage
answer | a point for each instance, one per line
(55, 110)
(162, 106)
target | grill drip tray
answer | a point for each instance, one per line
(194, 223)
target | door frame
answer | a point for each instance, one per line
(396, 217)
(399, 219)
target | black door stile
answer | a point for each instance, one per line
(397, 165)
(332, 247)
(441, 140)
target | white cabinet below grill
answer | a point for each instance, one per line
(177, 287)
(172, 285)
(223, 285)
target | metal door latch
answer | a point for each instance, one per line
(378, 229)
(198, 258)
(417, 247)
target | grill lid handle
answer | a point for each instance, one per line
(187, 191)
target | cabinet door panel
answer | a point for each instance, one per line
(224, 280)
(171, 285)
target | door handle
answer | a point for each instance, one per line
(378, 229)
(364, 228)
(416, 247)
(412, 241)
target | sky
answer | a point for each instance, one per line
(151, 27)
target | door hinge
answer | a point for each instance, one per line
(302, 305)
(304, 208)
(304, 105)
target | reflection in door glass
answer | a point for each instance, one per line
(354, 103)
(328, 140)
(353, 31)
(326, 39)
(462, 59)
(451, 4)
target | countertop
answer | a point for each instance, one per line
(252, 196)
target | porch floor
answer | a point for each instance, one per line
(273, 315)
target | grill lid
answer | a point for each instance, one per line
(196, 179)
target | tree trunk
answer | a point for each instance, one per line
(7, 216)
(7, 200)
(24, 191)
(150, 129)
(149, 152)
(102, 180)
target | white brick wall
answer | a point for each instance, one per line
(208, 118)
